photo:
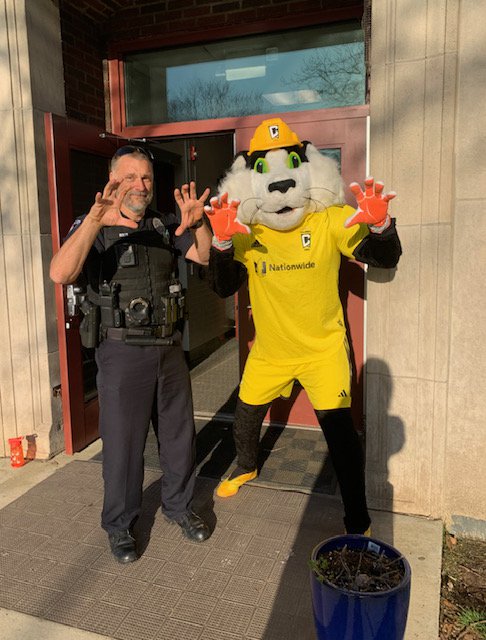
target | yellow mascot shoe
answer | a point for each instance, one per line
(229, 487)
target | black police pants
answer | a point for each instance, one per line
(137, 384)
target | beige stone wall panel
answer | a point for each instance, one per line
(7, 405)
(433, 136)
(451, 34)
(428, 302)
(386, 438)
(447, 149)
(44, 29)
(413, 136)
(383, 25)
(471, 118)
(16, 294)
(381, 127)
(399, 443)
(408, 140)
(9, 185)
(14, 61)
(409, 35)
(465, 467)
(436, 17)
(378, 318)
(465, 471)
(27, 316)
(402, 339)
(23, 389)
(423, 445)
(443, 297)
(439, 443)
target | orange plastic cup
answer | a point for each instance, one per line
(16, 452)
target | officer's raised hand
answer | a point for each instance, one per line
(67, 263)
(191, 207)
(106, 210)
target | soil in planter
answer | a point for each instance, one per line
(358, 570)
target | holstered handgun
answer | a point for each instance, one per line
(89, 327)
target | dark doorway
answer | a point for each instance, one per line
(204, 159)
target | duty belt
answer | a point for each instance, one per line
(141, 336)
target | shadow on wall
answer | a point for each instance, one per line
(385, 437)
(322, 518)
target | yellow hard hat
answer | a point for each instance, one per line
(273, 134)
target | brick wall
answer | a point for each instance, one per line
(83, 52)
(155, 18)
(89, 27)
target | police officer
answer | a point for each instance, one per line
(128, 255)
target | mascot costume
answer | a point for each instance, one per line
(280, 222)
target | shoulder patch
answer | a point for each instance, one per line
(75, 225)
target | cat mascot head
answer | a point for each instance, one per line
(279, 179)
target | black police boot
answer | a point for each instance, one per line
(193, 526)
(123, 546)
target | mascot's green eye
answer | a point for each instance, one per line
(293, 161)
(261, 166)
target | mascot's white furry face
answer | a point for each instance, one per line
(279, 187)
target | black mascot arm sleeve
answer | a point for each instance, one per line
(226, 275)
(380, 249)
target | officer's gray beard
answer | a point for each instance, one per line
(138, 207)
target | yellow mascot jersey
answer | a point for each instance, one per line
(293, 284)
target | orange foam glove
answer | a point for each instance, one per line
(372, 205)
(222, 216)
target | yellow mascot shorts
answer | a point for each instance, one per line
(327, 381)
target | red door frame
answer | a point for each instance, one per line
(343, 128)
(339, 127)
(80, 418)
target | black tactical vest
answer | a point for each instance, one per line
(142, 263)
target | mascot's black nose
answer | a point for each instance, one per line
(282, 185)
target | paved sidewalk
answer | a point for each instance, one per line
(248, 581)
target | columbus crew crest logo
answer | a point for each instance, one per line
(273, 131)
(306, 239)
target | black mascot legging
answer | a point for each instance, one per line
(344, 448)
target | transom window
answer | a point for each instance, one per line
(298, 70)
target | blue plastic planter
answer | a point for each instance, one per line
(354, 615)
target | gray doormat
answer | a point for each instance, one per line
(291, 458)
(215, 382)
